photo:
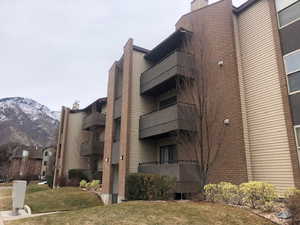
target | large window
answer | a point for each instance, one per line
(289, 14)
(294, 82)
(168, 154)
(292, 68)
(292, 62)
(297, 133)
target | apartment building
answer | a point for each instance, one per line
(25, 163)
(250, 56)
(80, 140)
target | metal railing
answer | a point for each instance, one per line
(169, 162)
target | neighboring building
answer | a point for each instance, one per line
(26, 163)
(80, 140)
(47, 161)
(144, 107)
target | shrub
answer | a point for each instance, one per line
(229, 193)
(80, 174)
(148, 186)
(83, 183)
(267, 207)
(290, 192)
(49, 180)
(212, 192)
(94, 185)
(257, 193)
(293, 204)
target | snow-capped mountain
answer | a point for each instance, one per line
(25, 121)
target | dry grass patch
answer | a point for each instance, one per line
(152, 213)
(42, 199)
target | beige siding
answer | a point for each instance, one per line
(140, 151)
(72, 159)
(243, 100)
(263, 106)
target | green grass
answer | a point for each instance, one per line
(5, 184)
(151, 213)
(36, 187)
(42, 199)
(5, 193)
(61, 199)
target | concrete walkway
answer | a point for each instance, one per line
(7, 215)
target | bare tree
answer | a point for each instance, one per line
(201, 94)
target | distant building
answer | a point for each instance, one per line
(26, 163)
(81, 140)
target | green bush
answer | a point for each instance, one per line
(49, 181)
(257, 193)
(212, 192)
(230, 193)
(83, 183)
(141, 186)
(76, 175)
(290, 192)
(95, 185)
(253, 194)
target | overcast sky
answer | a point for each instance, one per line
(59, 51)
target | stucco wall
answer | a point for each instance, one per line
(72, 159)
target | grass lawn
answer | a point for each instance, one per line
(5, 193)
(151, 213)
(5, 184)
(42, 199)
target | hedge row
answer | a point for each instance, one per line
(149, 186)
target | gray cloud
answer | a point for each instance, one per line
(58, 51)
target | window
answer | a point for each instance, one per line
(168, 154)
(292, 62)
(45, 163)
(289, 14)
(294, 82)
(46, 153)
(44, 173)
(167, 102)
(297, 133)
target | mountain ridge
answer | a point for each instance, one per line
(27, 122)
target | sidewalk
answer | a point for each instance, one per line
(6, 215)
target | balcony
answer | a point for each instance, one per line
(173, 118)
(92, 120)
(162, 76)
(91, 148)
(186, 173)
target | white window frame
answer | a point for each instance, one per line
(296, 137)
(287, 74)
(293, 21)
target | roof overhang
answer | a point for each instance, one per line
(167, 46)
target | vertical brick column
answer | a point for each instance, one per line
(124, 145)
(108, 138)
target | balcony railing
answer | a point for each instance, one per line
(160, 76)
(186, 173)
(91, 148)
(94, 119)
(173, 118)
